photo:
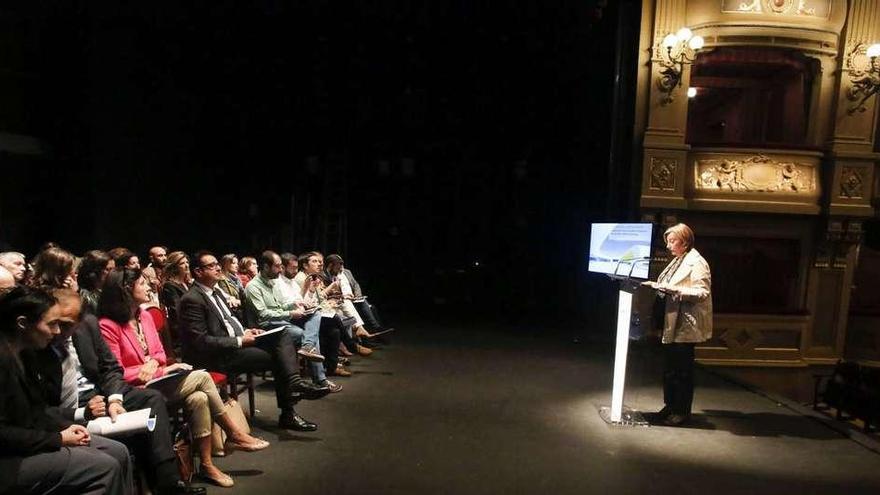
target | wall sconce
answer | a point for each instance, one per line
(681, 48)
(864, 75)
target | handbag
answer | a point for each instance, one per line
(218, 436)
(183, 455)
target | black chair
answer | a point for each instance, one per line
(867, 398)
(841, 388)
(236, 386)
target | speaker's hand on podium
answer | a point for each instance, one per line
(664, 288)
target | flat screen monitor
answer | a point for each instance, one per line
(621, 248)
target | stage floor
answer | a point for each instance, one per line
(473, 411)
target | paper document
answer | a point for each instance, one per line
(128, 423)
(270, 332)
(168, 380)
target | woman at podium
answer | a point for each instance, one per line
(684, 310)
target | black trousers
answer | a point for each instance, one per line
(678, 377)
(330, 335)
(101, 468)
(275, 352)
(154, 449)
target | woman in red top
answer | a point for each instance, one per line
(131, 335)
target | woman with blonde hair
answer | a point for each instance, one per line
(132, 337)
(178, 280)
(684, 308)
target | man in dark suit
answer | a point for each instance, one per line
(215, 339)
(79, 374)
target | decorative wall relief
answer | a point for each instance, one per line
(758, 173)
(812, 8)
(864, 76)
(663, 174)
(741, 339)
(852, 182)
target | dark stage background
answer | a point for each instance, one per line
(462, 146)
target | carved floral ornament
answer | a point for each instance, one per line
(863, 65)
(755, 174)
(852, 182)
(812, 8)
(663, 174)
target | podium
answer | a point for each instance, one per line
(617, 413)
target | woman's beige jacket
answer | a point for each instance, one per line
(689, 317)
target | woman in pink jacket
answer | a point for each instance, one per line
(131, 335)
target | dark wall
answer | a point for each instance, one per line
(474, 136)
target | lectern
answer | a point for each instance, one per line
(617, 413)
(623, 252)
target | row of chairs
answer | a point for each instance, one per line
(852, 390)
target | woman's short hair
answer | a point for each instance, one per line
(91, 269)
(683, 232)
(52, 266)
(245, 263)
(172, 264)
(116, 300)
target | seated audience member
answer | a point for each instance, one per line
(16, 264)
(178, 280)
(315, 291)
(247, 270)
(40, 451)
(271, 311)
(213, 338)
(54, 269)
(231, 285)
(351, 291)
(7, 281)
(124, 258)
(131, 336)
(153, 272)
(79, 374)
(331, 330)
(93, 270)
(275, 307)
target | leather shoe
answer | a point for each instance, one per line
(310, 354)
(293, 421)
(260, 444)
(217, 477)
(333, 386)
(675, 420)
(309, 391)
(340, 371)
(183, 488)
(363, 351)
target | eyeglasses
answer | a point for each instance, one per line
(210, 266)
